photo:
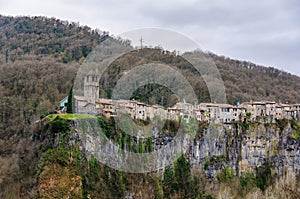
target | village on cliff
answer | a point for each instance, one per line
(255, 111)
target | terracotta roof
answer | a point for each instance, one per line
(141, 103)
(175, 108)
(255, 103)
(209, 104)
(260, 102)
(198, 109)
(286, 105)
(105, 101)
(225, 105)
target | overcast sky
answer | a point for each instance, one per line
(265, 32)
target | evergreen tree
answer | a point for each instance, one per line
(168, 182)
(149, 144)
(6, 56)
(183, 175)
(70, 101)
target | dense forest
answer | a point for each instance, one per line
(39, 58)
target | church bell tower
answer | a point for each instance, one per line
(91, 88)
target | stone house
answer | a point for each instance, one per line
(257, 110)
(287, 112)
(270, 108)
(278, 112)
(226, 113)
(266, 111)
(212, 112)
(106, 107)
(186, 110)
(126, 106)
(141, 110)
(158, 111)
(297, 111)
(238, 113)
(270, 112)
(290, 114)
(173, 113)
(199, 114)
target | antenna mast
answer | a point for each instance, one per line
(141, 42)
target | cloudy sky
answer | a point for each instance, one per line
(264, 32)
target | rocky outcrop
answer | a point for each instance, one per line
(246, 148)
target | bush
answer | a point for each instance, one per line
(225, 175)
(264, 177)
(247, 183)
(59, 125)
(57, 156)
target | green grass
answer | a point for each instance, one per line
(69, 116)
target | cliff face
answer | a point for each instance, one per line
(246, 147)
(220, 151)
(243, 147)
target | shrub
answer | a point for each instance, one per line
(59, 125)
(225, 175)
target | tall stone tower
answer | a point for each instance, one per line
(91, 88)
